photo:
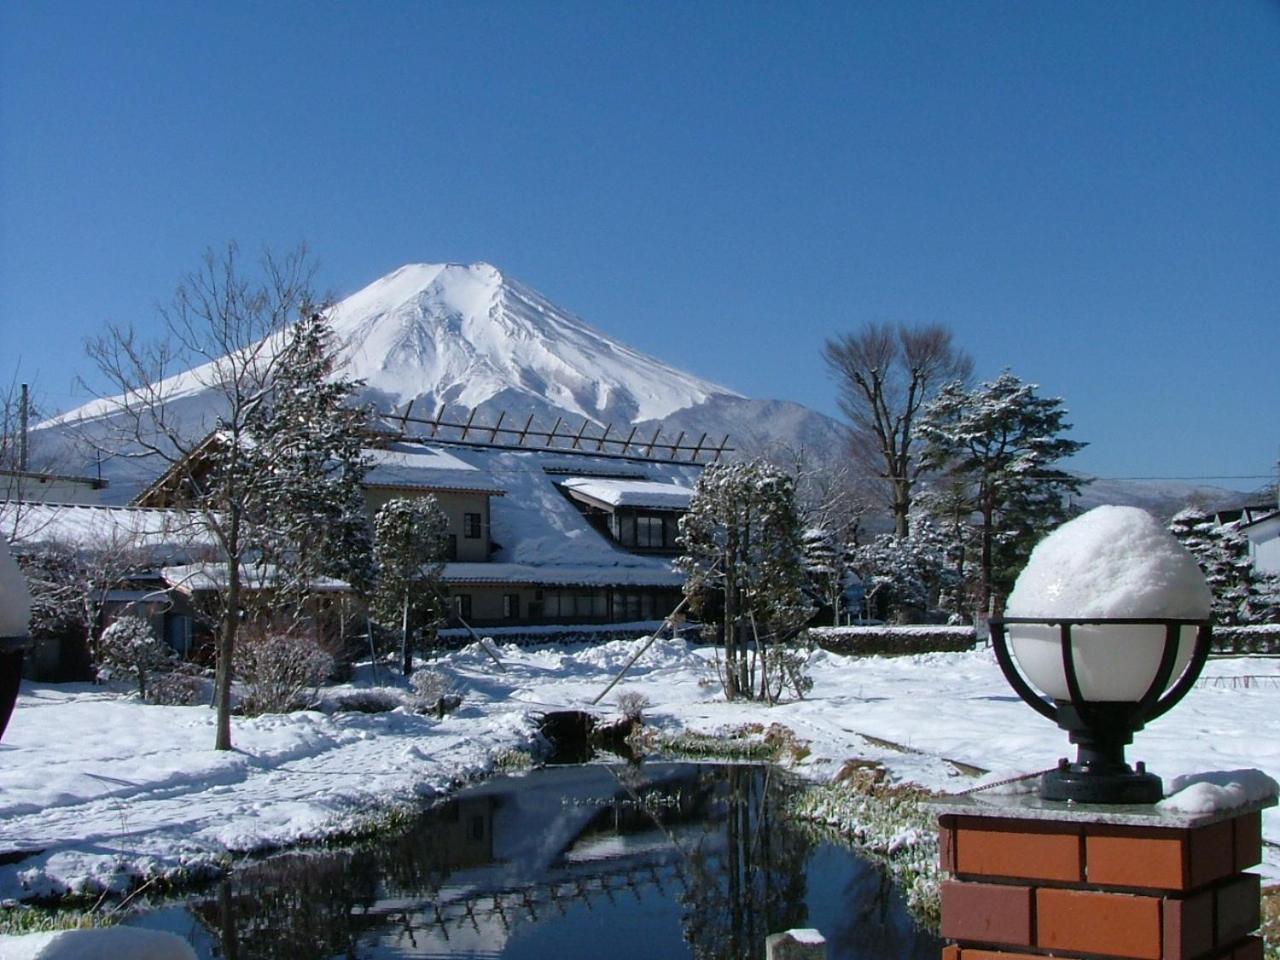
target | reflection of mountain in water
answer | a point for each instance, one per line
(662, 860)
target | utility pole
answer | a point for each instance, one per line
(23, 404)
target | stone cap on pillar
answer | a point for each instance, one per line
(1031, 807)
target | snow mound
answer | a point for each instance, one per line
(106, 944)
(1218, 790)
(1110, 562)
(613, 656)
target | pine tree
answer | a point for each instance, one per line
(825, 570)
(1241, 594)
(409, 543)
(307, 438)
(1000, 441)
(911, 578)
(744, 568)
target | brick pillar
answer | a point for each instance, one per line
(1031, 879)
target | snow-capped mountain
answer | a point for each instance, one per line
(464, 335)
(469, 338)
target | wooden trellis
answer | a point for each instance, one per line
(442, 429)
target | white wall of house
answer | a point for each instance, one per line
(467, 513)
(1264, 544)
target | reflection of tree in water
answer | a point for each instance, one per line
(877, 924)
(289, 906)
(314, 905)
(754, 884)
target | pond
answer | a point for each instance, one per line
(628, 861)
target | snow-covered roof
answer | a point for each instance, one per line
(204, 577)
(1267, 521)
(90, 526)
(418, 466)
(629, 493)
(541, 536)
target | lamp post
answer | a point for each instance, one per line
(15, 617)
(1107, 629)
(1103, 679)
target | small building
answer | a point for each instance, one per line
(546, 535)
(117, 554)
(1263, 533)
(538, 535)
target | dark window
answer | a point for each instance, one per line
(462, 605)
(627, 530)
(451, 549)
(477, 828)
(649, 532)
(471, 526)
(510, 606)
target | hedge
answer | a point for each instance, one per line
(1262, 639)
(893, 641)
(554, 635)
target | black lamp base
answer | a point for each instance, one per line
(1081, 784)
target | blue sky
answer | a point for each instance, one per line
(1087, 193)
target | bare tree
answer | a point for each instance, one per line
(885, 374)
(222, 334)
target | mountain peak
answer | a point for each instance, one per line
(463, 334)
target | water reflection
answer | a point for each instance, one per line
(661, 860)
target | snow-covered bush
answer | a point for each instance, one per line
(433, 691)
(277, 670)
(366, 701)
(180, 687)
(744, 570)
(632, 704)
(130, 648)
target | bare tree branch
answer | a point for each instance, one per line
(884, 376)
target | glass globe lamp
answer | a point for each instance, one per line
(1101, 680)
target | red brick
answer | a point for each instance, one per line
(1238, 906)
(986, 913)
(1188, 926)
(1020, 850)
(1136, 857)
(947, 844)
(971, 954)
(1212, 853)
(1248, 840)
(1117, 924)
(1251, 949)
(951, 953)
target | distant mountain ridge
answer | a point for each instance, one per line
(470, 340)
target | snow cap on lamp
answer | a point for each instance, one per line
(1112, 562)
(15, 598)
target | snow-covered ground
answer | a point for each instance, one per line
(106, 788)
